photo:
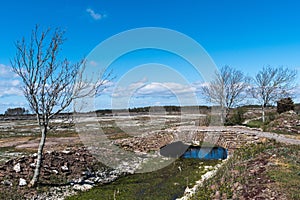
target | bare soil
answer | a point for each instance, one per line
(32, 143)
(58, 168)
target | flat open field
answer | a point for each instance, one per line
(20, 137)
(69, 146)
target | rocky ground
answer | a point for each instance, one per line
(152, 142)
(63, 173)
(257, 185)
(265, 171)
(288, 122)
(68, 167)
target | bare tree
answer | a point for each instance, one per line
(271, 84)
(227, 90)
(49, 83)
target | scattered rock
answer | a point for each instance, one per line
(286, 122)
(32, 165)
(66, 152)
(17, 168)
(89, 182)
(208, 167)
(57, 167)
(64, 168)
(83, 187)
(7, 183)
(152, 142)
(217, 195)
(22, 182)
(34, 155)
(236, 185)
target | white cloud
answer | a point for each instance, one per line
(10, 87)
(106, 88)
(9, 82)
(199, 85)
(121, 91)
(6, 72)
(154, 89)
(166, 90)
(94, 15)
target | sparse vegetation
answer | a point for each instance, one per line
(285, 123)
(265, 170)
(237, 117)
(255, 124)
(258, 123)
(166, 183)
(160, 183)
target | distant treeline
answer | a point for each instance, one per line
(172, 109)
(156, 108)
(147, 109)
(16, 111)
(13, 112)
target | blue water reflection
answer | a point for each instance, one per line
(206, 153)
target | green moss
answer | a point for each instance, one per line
(287, 173)
(255, 124)
(166, 183)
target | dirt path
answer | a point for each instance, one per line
(12, 141)
(249, 120)
(244, 130)
(32, 143)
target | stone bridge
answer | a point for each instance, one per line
(230, 138)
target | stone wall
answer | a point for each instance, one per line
(228, 139)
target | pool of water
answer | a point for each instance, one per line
(213, 153)
(179, 149)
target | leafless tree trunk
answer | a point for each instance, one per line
(49, 84)
(263, 114)
(226, 90)
(36, 174)
(271, 84)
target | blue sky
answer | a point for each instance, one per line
(244, 34)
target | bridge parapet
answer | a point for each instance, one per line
(218, 136)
